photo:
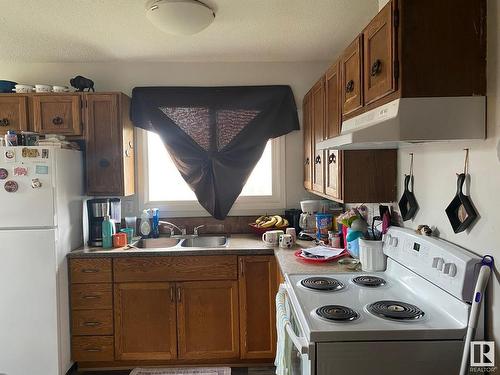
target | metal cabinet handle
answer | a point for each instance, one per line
(92, 324)
(178, 294)
(171, 294)
(91, 297)
(57, 120)
(376, 68)
(349, 87)
(318, 160)
(307, 161)
(90, 270)
(332, 159)
(242, 268)
(4, 122)
(93, 350)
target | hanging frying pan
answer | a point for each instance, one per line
(408, 205)
(461, 211)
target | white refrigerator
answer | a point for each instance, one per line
(41, 194)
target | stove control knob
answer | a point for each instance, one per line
(438, 263)
(450, 269)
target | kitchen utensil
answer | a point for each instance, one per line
(271, 238)
(300, 254)
(461, 211)
(371, 255)
(7, 86)
(286, 241)
(130, 234)
(260, 230)
(481, 283)
(408, 205)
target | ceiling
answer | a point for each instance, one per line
(117, 30)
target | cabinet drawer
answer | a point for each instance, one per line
(90, 270)
(91, 296)
(175, 268)
(92, 348)
(92, 322)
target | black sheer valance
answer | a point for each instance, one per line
(215, 135)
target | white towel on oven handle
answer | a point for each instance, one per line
(281, 361)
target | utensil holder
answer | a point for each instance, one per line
(371, 255)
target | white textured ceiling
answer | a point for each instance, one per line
(117, 30)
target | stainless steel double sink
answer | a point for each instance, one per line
(206, 242)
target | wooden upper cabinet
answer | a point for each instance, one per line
(258, 284)
(332, 94)
(207, 318)
(318, 134)
(145, 321)
(378, 55)
(352, 77)
(13, 113)
(333, 184)
(57, 114)
(110, 154)
(307, 136)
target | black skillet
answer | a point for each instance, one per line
(461, 211)
(408, 205)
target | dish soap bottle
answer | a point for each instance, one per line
(145, 226)
(108, 229)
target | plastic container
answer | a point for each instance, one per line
(108, 229)
(119, 239)
(11, 138)
(129, 232)
(353, 246)
(323, 225)
(145, 226)
(371, 255)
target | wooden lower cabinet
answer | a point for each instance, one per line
(258, 284)
(207, 318)
(145, 321)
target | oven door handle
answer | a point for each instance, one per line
(300, 342)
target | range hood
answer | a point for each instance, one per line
(413, 120)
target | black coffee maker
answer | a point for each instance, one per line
(97, 209)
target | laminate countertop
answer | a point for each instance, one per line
(240, 244)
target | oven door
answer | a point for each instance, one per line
(298, 353)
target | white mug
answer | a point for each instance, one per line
(43, 88)
(60, 89)
(286, 241)
(23, 88)
(272, 237)
(293, 233)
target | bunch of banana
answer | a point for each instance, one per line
(277, 221)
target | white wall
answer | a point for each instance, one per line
(435, 168)
(124, 76)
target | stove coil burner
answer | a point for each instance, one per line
(395, 310)
(337, 313)
(322, 283)
(367, 280)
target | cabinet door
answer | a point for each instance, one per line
(318, 126)
(332, 94)
(307, 129)
(378, 55)
(145, 321)
(258, 285)
(57, 114)
(104, 145)
(334, 174)
(352, 91)
(207, 317)
(13, 113)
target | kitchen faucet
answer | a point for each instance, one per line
(195, 230)
(172, 226)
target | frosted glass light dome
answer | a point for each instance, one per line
(179, 17)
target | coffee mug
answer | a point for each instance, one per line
(60, 89)
(43, 88)
(23, 88)
(272, 237)
(293, 233)
(286, 241)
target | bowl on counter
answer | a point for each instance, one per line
(7, 86)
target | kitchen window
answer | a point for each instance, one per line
(162, 186)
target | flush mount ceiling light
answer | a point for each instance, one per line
(180, 17)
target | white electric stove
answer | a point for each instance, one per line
(410, 319)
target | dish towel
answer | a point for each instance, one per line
(281, 361)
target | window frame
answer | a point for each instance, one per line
(248, 205)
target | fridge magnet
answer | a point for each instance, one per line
(30, 152)
(10, 156)
(45, 153)
(42, 169)
(20, 171)
(35, 183)
(11, 186)
(3, 173)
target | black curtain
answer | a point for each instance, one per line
(215, 135)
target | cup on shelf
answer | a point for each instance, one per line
(23, 89)
(60, 89)
(43, 88)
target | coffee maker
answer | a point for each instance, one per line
(97, 209)
(307, 220)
